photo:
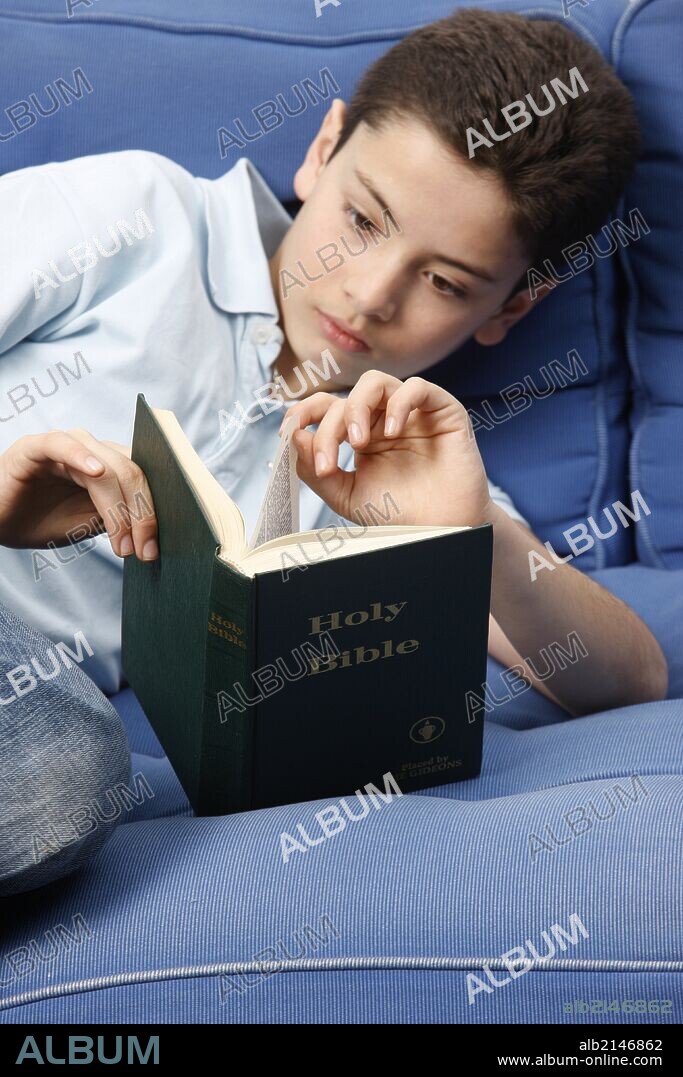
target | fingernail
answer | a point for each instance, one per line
(390, 425)
(320, 462)
(355, 432)
(93, 463)
(150, 551)
(126, 546)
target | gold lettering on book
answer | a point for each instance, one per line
(359, 656)
(331, 621)
(221, 626)
(362, 655)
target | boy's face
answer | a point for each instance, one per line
(409, 299)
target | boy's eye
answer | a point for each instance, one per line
(444, 286)
(359, 220)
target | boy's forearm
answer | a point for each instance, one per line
(611, 657)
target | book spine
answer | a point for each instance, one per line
(228, 727)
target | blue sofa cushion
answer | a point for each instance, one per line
(572, 821)
(647, 52)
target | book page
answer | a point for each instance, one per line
(279, 515)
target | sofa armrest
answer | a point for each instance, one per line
(656, 595)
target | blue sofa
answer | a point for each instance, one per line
(566, 849)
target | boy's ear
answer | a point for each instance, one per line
(513, 309)
(320, 150)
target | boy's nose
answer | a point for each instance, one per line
(373, 295)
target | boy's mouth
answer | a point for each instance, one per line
(337, 332)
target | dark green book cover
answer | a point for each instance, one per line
(302, 684)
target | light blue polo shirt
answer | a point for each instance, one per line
(123, 273)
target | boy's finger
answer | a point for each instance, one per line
(36, 451)
(367, 400)
(417, 394)
(125, 450)
(105, 493)
(140, 507)
(334, 489)
(123, 498)
(137, 513)
(328, 437)
(310, 410)
(358, 419)
(125, 512)
(371, 392)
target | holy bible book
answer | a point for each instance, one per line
(300, 665)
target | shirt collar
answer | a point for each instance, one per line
(246, 224)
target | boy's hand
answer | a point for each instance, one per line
(52, 484)
(430, 463)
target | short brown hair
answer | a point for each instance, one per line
(564, 172)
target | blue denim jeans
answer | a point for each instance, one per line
(63, 751)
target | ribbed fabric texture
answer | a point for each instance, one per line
(578, 819)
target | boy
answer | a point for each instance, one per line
(199, 312)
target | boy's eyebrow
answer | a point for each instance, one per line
(481, 273)
(367, 183)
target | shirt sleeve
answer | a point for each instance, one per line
(60, 225)
(499, 497)
(38, 228)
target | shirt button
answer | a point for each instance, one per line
(265, 333)
(269, 464)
